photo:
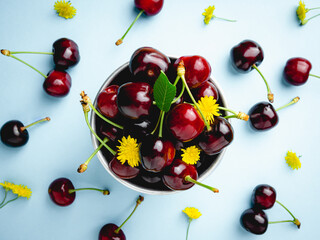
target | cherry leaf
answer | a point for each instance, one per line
(163, 92)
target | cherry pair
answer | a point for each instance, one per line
(255, 219)
(65, 54)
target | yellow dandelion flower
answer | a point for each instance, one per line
(301, 12)
(7, 185)
(209, 108)
(22, 191)
(191, 155)
(208, 14)
(293, 160)
(192, 212)
(128, 151)
(64, 9)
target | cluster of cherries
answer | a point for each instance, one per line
(128, 100)
(254, 219)
(65, 54)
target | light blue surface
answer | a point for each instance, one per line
(57, 148)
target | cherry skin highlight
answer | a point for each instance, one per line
(59, 192)
(57, 83)
(297, 70)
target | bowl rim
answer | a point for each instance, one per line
(128, 184)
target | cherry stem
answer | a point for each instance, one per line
(238, 115)
(180, 95)
(99, 139)
(7, 53)
(161, 124)
(190, 179)
(312, 75)
(270, 94)
(295, 220)
(42, 120)
(105, 119)
(159, 118)
(5, 197)
(20, 52)
(190, 220)
(104, 192)
(9, 202)
(225, 19)
(295, 100)
(121, 39)
(138, 202)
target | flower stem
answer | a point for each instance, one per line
(5, 197)
(309, 9)
(190, 179)
(295, 220)
(138, 202)
(99, 139)
(20, 52)
(229, 20)
(83, 167)
(270, 94)
(307, 20)
(121, 39)
(312, 75)
(295, 100)
(42, 120)
(161, 124)
(9, 202)
(9, 55)
(105, 119)
(104, 192)
(190, 220)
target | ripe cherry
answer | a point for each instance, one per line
(219, 137)
(15, 134)
(139, 128)
(57, 83)
(254, 220)
(134, 99)
(297, 71)
(264, 196)
(184, 122)
(205, 89)
(146, 63)
(123, 171)
(65, 53)
(107, 101)
(63, 193)
(247, 56)
(148, 7)
(111, 231)
(197, 70)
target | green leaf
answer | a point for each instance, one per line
(163, 92)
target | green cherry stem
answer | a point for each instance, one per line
(270, 94)
(312, 75)
(138, 202)
(27, 52)
(225, 19)
(238, 115)
(41, 120)
(103, 191)
(8, 54)
(5, 197)
(9, 202)
(83, 167)
(295, 220)
(180, 95)
(121, 39)
(190, 220)
(156, 127)
(190, 179)
(161, 123)
(295, 100)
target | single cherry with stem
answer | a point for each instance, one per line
(247, 56)
(254, 220)
(263, 116)
(57, 82)
(297, 71)
(63, 193)
(15, 134)
(148, 7)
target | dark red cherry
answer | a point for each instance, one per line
(134, 99)
(263, 116)
(107, 101)
(107, 232)
(174, 175)
(254, 220)
(219, 137)
(139, 128)
(296, 71)
(65, 53)
(123, 171)
(156, 153)
(12, 135)
(146, 63)
(109, 131)
(245, 55)
(150, 7)
(263, 196)
(57, 83)
(59, 192)
(205, 89)
(198, 70)
(184, 122)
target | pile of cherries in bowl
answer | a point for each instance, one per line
(126, 98)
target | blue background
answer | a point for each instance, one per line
(58, 147)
